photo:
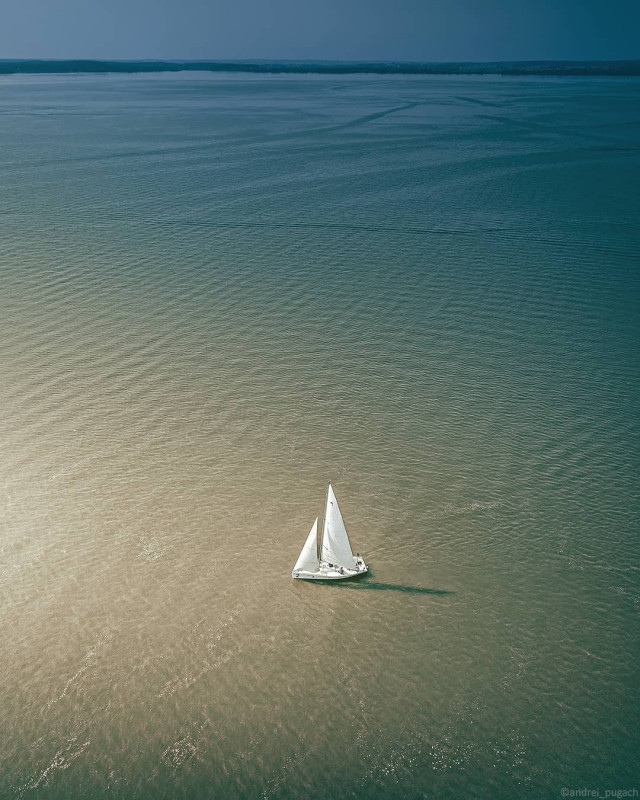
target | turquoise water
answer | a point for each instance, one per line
(220, 292)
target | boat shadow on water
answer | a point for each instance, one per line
(369, 582)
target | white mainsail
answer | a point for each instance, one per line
(308, 558)
(335, 542)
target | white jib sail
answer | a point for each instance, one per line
(335, 542)
(308, 558)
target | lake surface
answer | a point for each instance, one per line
(219, 292)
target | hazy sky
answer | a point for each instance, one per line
(418, 30)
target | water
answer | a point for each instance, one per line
(220, 292)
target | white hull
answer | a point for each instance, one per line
(327, 573)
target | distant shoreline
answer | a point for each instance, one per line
(551, 68)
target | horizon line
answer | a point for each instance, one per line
(533, 67)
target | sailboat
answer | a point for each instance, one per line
(336, 561)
